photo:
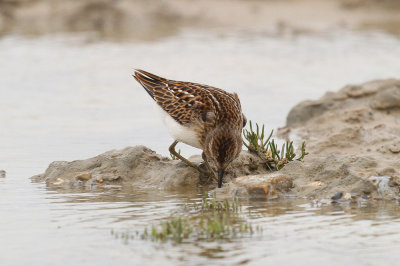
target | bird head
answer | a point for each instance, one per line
(222, 145)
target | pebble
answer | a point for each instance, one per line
(395, 148)
(84, 177)
(366, 197)
(382, 185)
(2, 174)
(59, 181)
(337, 196)
(350, 196)
(316, 184)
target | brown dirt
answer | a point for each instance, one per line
(140, 167)
(353, 140)
(145, 20)
(353, 137)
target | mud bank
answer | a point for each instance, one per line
(352, 136)
(148, 20)
(141, 167)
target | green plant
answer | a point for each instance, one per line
(255, 138)
(268, 149)
(217, 206)
(175, 229)
(173, 157)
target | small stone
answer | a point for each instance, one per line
(386, 99)
(337, 196)
(356, 91)
(366, 197)
(59, 181)
(394, 181)
(315, 184)
(382, 185)
(84, 177)
(265, 186)
(99, 180)
(350, 196)
(325, 201)
(395, 148)
(2, 174)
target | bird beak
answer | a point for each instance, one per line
(220, 176)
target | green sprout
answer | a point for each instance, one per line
(173, 157)
(255, 138)
(268, 149)
(216, 206)
(175, 229)
(303, 152)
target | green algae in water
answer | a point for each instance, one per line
(212, 219)
(214, 205)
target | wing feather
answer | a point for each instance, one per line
(183, 101)
(187, 102)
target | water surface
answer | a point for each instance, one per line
(62, 99)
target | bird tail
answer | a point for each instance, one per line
(149, 81)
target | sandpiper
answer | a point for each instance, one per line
(201, 116)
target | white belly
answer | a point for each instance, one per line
(179, 132)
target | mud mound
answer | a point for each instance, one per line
(141, 167)
(352, 136)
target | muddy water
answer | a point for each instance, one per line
(62, 99)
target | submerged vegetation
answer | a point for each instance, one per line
(211, 219)
(268, 149)
(173, 157)
(213, 205)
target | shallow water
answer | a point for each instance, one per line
(62, 99)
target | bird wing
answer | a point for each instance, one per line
(183, 101)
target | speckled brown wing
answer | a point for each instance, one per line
(183, 101)
(187, 102)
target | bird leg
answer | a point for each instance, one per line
(177, 155)
(211, 171)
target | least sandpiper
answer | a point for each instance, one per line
(201, 116)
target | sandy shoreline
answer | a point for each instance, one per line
(141, 20)
(352, 139)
